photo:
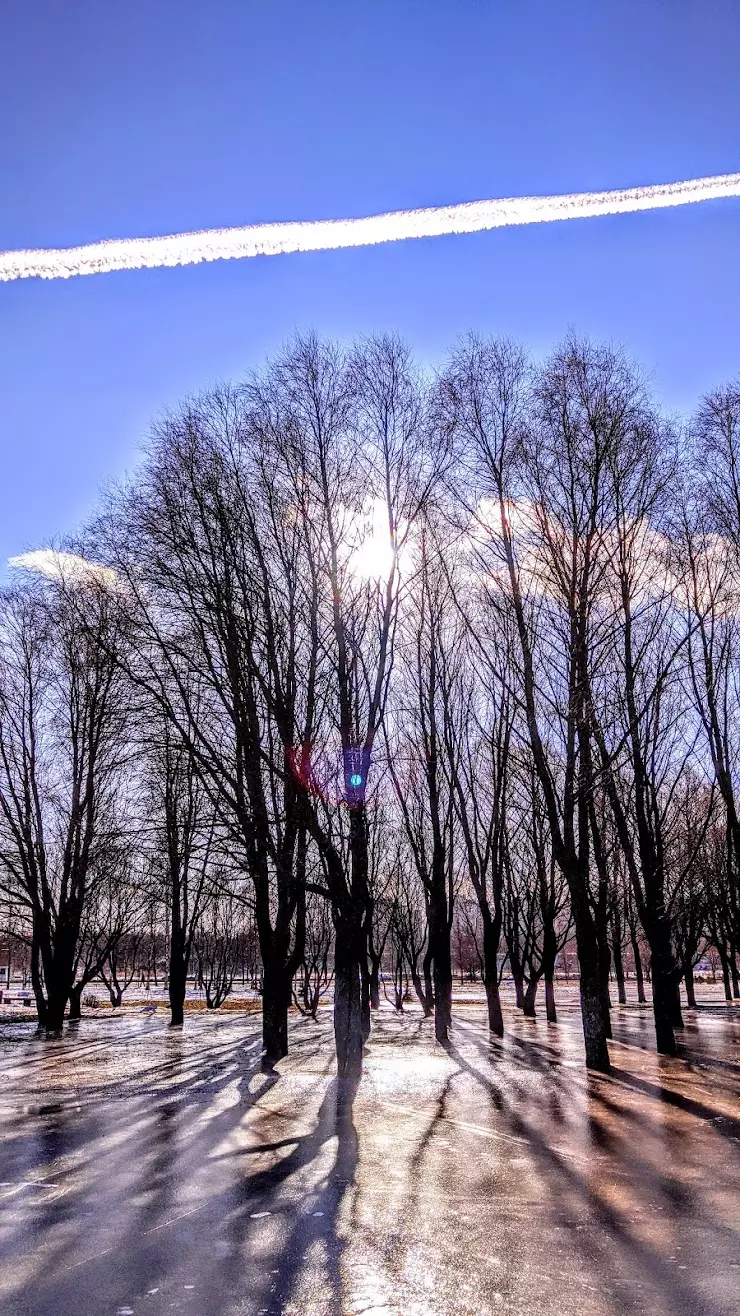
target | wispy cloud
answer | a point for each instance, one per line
(67, 567)
(330, 234)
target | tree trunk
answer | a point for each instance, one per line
(552, 1014)
(594, 1029)
(619, 972)
(59, 975)
(365, 997)
(177, 980)
(530, 996)
(518, 977)
(348, 1020)
(36, 982)
(666, 1001)
(595, 1024)
(688, 977)
(639, 977)
(428, 985)
(605, 958)
(75, 1001)
(725, 962)
(276, 985)
(374, 982)
(56, 1004)
(491, 939)
(549, 956)
(439, 943)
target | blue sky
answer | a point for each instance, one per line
(132, 117)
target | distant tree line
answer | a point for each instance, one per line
(366, 666)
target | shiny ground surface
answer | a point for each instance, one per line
(149, 1171)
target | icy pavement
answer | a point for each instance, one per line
(152, 1171)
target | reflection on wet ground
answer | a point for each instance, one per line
(148, 1171)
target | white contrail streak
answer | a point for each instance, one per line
(328, 234)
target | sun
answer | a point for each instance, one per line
(370, 550)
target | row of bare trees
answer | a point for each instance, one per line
(360, 649)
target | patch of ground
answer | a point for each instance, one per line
(146, 1170)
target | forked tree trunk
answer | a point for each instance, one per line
(423, 991)
(75, 1001)
(530, 998)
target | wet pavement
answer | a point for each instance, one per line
(152, 1171)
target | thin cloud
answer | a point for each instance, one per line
(331, 234)
(69, 568)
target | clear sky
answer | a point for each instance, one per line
(122, 118)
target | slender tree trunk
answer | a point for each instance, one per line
(366, 998)
(439, 943)
(374, 981)
(549, 956)
(688, 977)
(639, 976)
(491, 939)
(348, 1020)
(36, 982)
(177, 977)
(605, 957)
(619, 972)
(426, 965)
(552, 1014)
(725, 962)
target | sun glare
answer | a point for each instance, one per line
(370, 556)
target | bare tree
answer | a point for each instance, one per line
(533, 461)
(62, 745)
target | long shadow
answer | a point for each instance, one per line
(724, 1124)
(156, 1235)
(562, 1178)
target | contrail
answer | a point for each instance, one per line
(329, 234)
